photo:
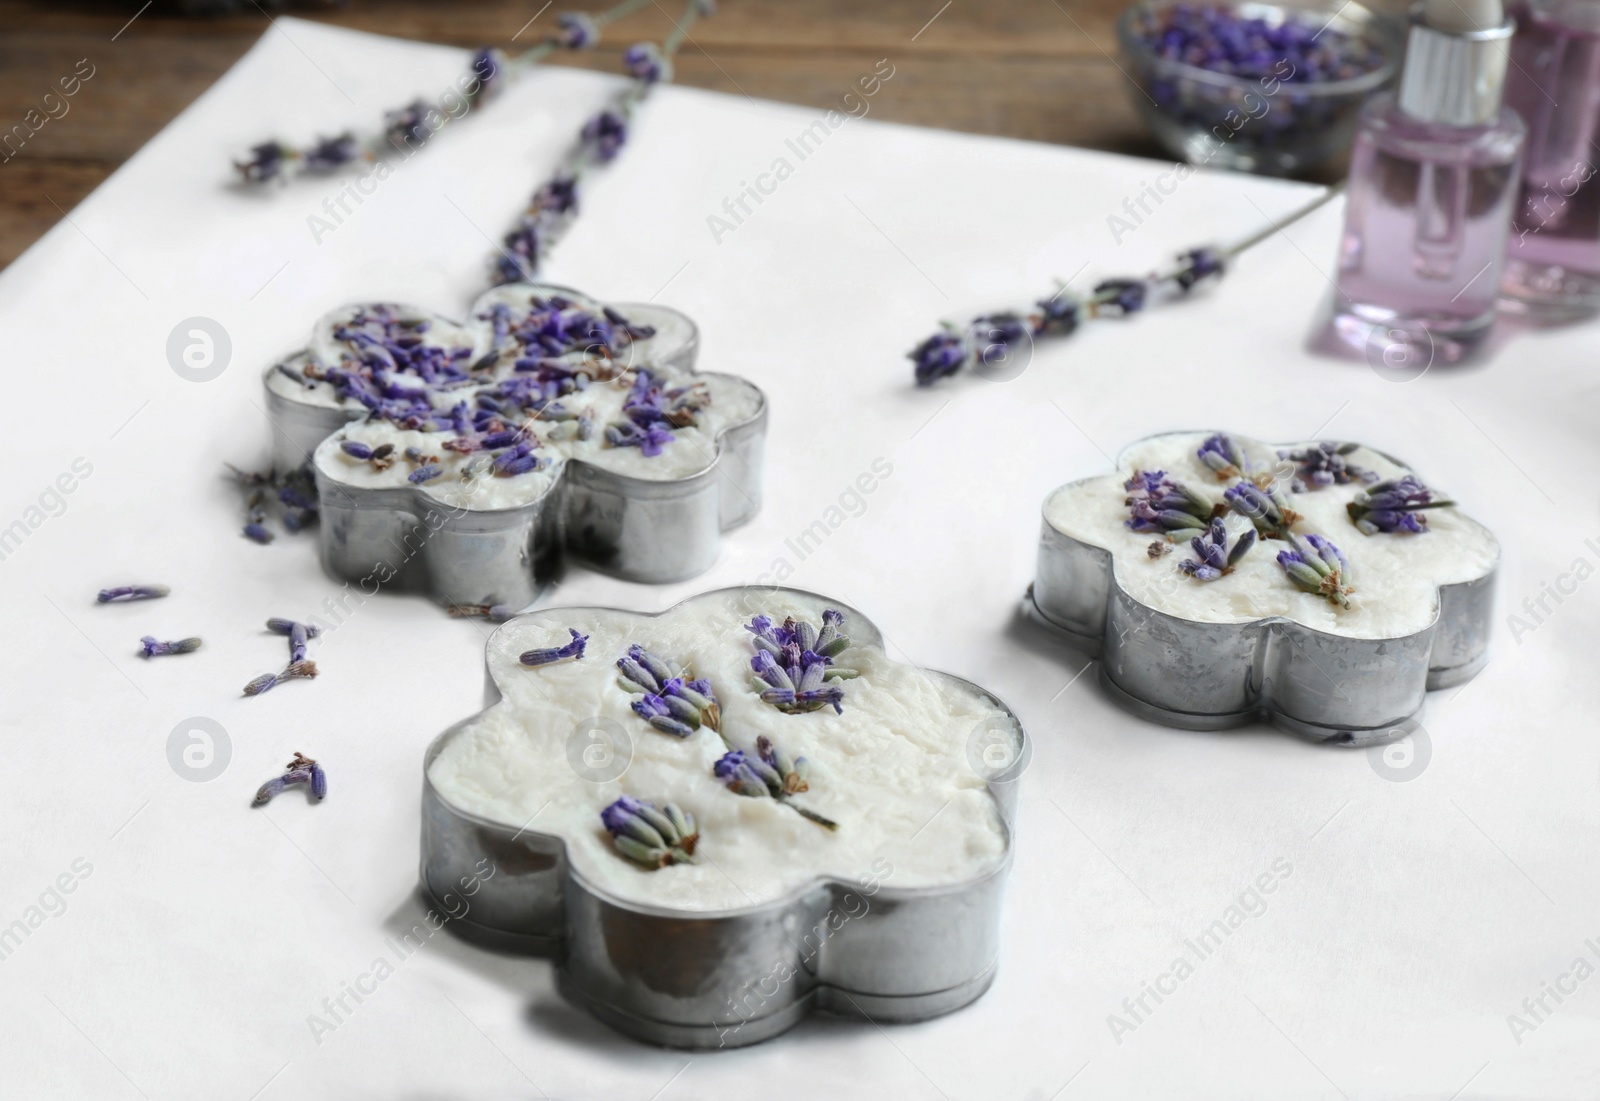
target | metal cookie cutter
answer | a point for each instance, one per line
(693, 979)
(1200, 675)
(635, 528)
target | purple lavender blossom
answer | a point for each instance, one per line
(1198, 265)
(558, 195)
(1213, 558)
(793, 663)
(603, 135)
(1324, 464)
(1295, 49)
(301, 770)
(152, 647)
(1221, 454)
(942, 354)
(424, 474)
(298, 634)
(1318, 567)
(266, 162)
(996, 334)
(258, 532)
(671, 701)
(329, 154)
(1262, 507)
(1120, 297)
(355, 449)
(1394, 506)
(1059, 315)
(572, 651)
(408, 127)
(125, 593)
(577, 30)
(486, 70)
(1157, 503)
(646, 63)
(768, 773)
(651, 835)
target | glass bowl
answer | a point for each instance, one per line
(1256, 124)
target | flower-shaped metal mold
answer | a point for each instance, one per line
(652, 521)
(763, 926)
(1252, 645)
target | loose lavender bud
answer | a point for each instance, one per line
(356, 449)
(995, 335)
(1324, 464)
(1262, 507)
(266, 162)
(299, 669)
(1318, 567)
(654, 710)
(1119, 297)
(125, 593)
(604, 135)
(280, 626)
(1394, 506)
(1212, 557)
(424, 474)
(577, 30)
(646, 63)
(760, 776)
(1198, 265)
(258, 532)
(650, 835)
(1058, 315)
(151, 647)
(572, 651)
(1221, 454)
(1157, 503)
(942, 354)
(301, 770)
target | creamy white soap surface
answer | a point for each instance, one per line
(893, 770)
(1396, 575)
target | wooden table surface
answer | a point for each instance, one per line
(1039, 69)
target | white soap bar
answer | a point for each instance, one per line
(894, 769)
(1396, 575)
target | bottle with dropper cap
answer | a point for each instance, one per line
(1434, 171)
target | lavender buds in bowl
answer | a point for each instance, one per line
(1265, 88)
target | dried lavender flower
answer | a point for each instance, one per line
(793, 663)
(645, 63)
(1213, 557)
(151, 647)
(301, 770)
(672, 701)
(122, 594)
(1324, 464)
(572, 651)
(768, 773)
(1158, 503)
(1262, 507)
(651, 835)
(1318, 567)
(1394, 506)
(1221, 454)
(298, 669)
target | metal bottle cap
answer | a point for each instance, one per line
(1454, 79)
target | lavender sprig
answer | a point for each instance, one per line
(1157, 503)
(572, 651)
(267, 681)
(1325, 464)
(651, 835)
(793, 663)
(1318, 567)
(301, 770)
(989, 338)
(1213, 557)
(122, 594)
(411, 127)
(1394, 506)
(768, 773)
(555, 204)
(672, 701)
(1262, 507)
(151, 647)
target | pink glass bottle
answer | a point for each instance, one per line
(1553, 268)
(1434, 172)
